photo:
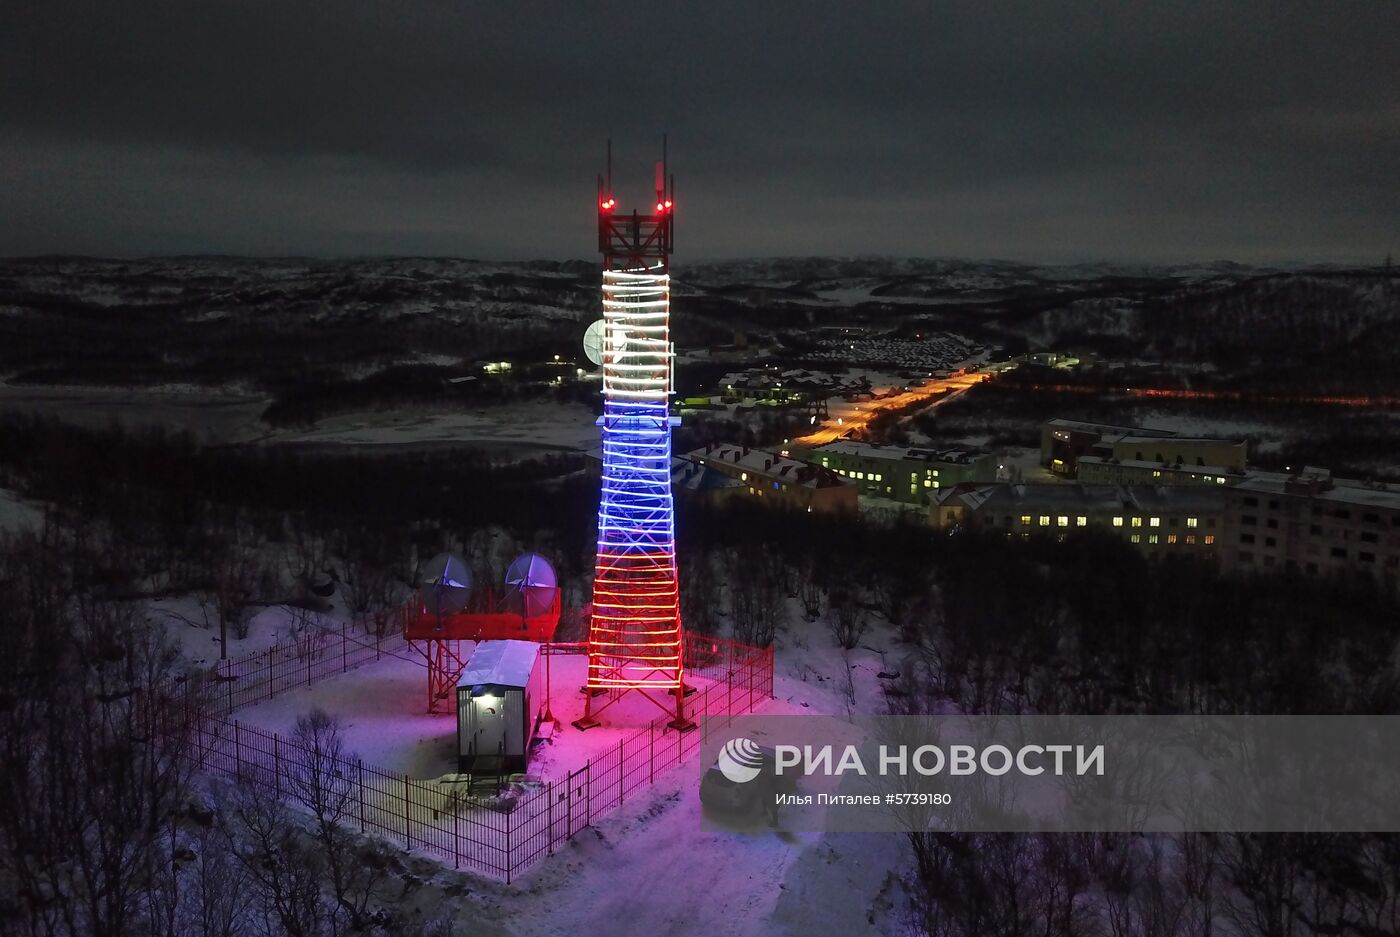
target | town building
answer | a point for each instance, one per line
(1155, 519)
(901, 473)
(1313, 523)
(776, 478)
(1064, 442)
(1101, 470)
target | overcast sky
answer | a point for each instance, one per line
(1154, 130)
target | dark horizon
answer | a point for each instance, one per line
(1137, 133)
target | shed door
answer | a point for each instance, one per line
(490, 728)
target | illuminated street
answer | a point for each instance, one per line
(842, 424)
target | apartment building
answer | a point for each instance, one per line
(779, 479)
(901, 473)
(1155, 519)
(1315, 524)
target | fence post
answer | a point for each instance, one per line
(228, 679)
(729, 701)
(360, 779)
(510, 860)
(271, 674)
(407, 815)
(344, 657)
(456, 836)
(237, 753)
(621, 774)
(588, 792)
(308, 663)
(651, 755)
(276, 766)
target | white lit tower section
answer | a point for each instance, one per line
(634, 641)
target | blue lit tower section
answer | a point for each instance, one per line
(634, 640)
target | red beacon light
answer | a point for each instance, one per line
(607, 204)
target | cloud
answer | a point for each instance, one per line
(1049, 130)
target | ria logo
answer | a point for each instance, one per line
(740, 760)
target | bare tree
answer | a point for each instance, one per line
(93, 748)
(319, 780)
(848, 619)
(285, 871)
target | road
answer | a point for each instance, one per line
(837, 427)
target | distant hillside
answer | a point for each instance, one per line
(260, 323)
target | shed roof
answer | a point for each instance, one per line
(501, 663)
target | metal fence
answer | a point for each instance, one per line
(301, 661)
(496, 836)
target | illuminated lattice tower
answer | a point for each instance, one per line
(634, 640)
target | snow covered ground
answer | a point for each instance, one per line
(539, 425)
(648, 867)
(211, 417)
(193, 626)
(17, 514)
(384, 719)
(1210, 426)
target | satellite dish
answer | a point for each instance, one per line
(444, 585)
(531, 584)
(593, 342)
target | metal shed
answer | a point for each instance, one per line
(499, 699)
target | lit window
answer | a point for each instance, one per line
(1136, 538)
(1156, 474)
(1190, 539)
(1220, 479)
(1062, 521)
(1192, 523)
(1025, 520)
(1152, 538)
(1137, 522)
(743, 476)
(1118, 522)
(1081, 521)
(1210, 538)
(1171, 538)
(928, 482)
(1044, 520)
(1154, 522)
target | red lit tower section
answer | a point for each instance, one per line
(634, 641)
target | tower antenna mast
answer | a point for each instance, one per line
(634, 637)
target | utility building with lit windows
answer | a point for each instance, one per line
(1156, 520)
(901, 473)
(1064, 442)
